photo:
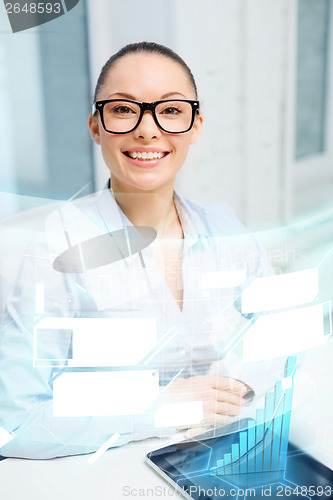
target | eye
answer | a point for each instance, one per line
(171, 110)
(123, 110)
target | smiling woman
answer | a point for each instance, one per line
(137, 327)
(166, 124)
(145, 126)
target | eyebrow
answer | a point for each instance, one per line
(129, 96)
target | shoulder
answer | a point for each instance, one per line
(228, 236)
(217, 219)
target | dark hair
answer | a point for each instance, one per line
(142, 47)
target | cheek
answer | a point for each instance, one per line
(182, 147)
(111, 147)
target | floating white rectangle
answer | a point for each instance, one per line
(284, 333)
(280, 291)
(110, 393)
(102, 341)
(223, 279)
(179, 414)
(5, 437)
(113, 341)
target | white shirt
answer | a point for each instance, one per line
(214, 242)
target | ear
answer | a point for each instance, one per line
(94, 128)
(197, 128)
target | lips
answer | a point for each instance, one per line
(146, 155)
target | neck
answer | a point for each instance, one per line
(155, 209)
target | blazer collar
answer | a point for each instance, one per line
(114, 219)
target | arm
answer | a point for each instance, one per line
(26, 398)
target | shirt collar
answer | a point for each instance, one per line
(192, 224)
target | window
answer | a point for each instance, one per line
(312, 77)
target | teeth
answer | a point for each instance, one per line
(145, 156)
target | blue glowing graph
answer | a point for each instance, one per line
(263, 446)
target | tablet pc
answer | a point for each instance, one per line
(189, 467)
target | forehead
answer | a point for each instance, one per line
(146, 77)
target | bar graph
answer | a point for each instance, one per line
(263, 446)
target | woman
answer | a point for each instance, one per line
(145, 117)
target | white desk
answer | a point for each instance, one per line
(73, 478)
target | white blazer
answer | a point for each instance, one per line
(217, 249)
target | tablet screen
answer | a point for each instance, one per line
(191, 467)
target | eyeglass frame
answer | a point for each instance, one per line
(145, 106)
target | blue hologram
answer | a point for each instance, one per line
(227, 462)
(285, 428)
(220, 468)
(289, 372)
(263, 446)
(267, 445)
(251, 444)
(259, 439)
(277, 426)
(243, 451)
(235, 458)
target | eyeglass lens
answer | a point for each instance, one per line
(123, 116)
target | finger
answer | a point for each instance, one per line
(229, 397)
(224, 408)
(229, 384)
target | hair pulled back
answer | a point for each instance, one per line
(143, 47)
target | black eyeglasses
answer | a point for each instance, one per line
(121, 116)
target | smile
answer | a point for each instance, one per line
(143, 155)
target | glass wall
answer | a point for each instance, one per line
(46, 149)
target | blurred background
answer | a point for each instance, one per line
(264, 73)
(265, 77)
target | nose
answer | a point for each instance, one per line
(147, 128)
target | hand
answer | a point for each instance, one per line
(222, 397)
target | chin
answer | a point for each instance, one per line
(150, 184)
(142, 181)
(148, 187)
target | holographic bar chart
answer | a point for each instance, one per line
(263, 446)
